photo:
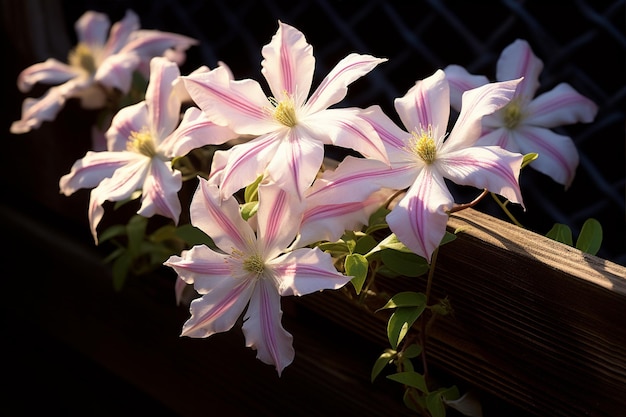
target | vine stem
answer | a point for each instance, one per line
(472, 203)
(506, 210)
(423, 337)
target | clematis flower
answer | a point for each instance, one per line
(289, 130)
(423, 157)
(524, 125)
(96, 67)
(142, 140)
(250, 271)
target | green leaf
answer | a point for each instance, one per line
(337, 248)
(412, 351)
(377, 220)
(193, 236)
(383, 360)
(356, 265)
(406, 299)
(365, 244)
(447, 238)
(120, 269)
(435, 404)
(136, 229)
(590, 238)
(111, 232)
(404, 263)
(400, 322)
(410, 379)
(561, 233)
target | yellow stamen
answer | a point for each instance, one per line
(254, 264)
(512, 114)
(82, 57)
(423, 145)
(284, 111)
(141, 142)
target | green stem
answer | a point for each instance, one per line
(506, 210)
(423, 336)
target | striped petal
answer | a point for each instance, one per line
(288, 64)
(160, 191)
(419, 220)
(560, 106)
(263, 329)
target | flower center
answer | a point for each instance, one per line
(254, 264)
(423, 145)
(82, 57)
(284, 111)
(512, 114)
(141, 142)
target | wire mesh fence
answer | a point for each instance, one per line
(581, 42)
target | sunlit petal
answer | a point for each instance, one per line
(304, 271)
(89, 171)
(334, 86)
(50, 71)
(201, 266)
(242, 105)
(485, 167)
(419, 220)
(288, 64)
(160, 191)
(426, 105)
(163, 104)
(263, 330)
(221, 220)
(518, 60)
(460, 80)
(218, 310)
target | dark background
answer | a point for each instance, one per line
(581, 42)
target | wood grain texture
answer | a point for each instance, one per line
(535, 321)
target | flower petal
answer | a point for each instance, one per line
(263, 329)
(195, 131)
(221, 220)
(558, 155)
(485, 167)
(242, 105)
(518, 60)
(50, 71)
(278, 218)
(218, 310)
(89, 171)
(560, 106)
(163, 104)
(295, 162)
(305, 271)
(460, 80)
(119, 33)
(46, 108)
(345, 128)
(160, 191)
(419, 220)
(246, 161)
(328, 221)
(201, 266)
(92, 28)
(127, 121)
(334, 86)
(116, 71)
(426, 105)
(288, 64)
(478, 103)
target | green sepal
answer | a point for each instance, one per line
(249, 209)
(528, 158)
(251, 192)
